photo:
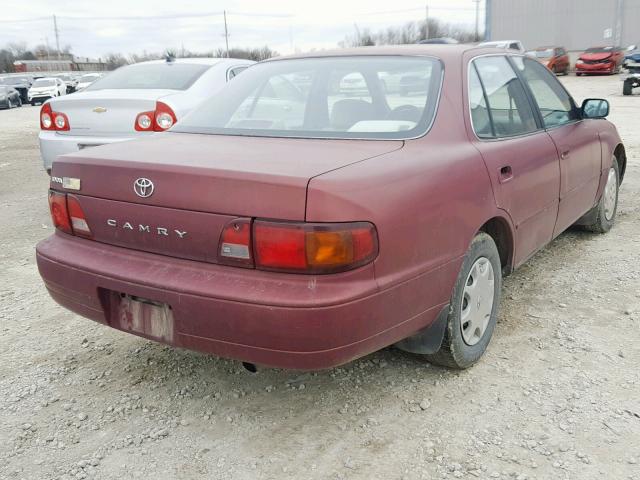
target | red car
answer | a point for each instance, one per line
(555, 59)
(293, 223)
(600, 60)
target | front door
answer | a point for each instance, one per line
(576, 140)
(520, 156)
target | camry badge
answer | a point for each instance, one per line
(99, 109)
(143, 187)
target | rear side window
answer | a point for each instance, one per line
(169, 76)
(553, 101)
(478, 104)
(509, 108)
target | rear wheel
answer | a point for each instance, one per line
(474, 306)
(605, 211)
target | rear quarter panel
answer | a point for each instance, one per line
(427, 199)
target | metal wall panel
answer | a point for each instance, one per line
(574, 24)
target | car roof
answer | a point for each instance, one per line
(195, 61)
(46, 78)
(448, 51)
(496, 42)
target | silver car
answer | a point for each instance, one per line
(133, 101)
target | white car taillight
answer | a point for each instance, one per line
(163, 119)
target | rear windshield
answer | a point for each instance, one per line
(378, 97)
(44, 82)
(547, 53)
(171, 76)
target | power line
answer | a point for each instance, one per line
(154, 17)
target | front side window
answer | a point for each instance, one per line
(553, 101)
(509, 108)
(378, 97)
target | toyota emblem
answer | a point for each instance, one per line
(143, 187)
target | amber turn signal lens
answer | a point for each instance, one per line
(313, 247)
(328, 249)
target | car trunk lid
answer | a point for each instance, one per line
(200, 183)
(106, 112)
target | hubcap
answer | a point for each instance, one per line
(477, 301)
(610, 194)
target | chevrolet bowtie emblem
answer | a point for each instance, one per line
(99, 109)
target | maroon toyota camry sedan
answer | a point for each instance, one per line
(317, 211)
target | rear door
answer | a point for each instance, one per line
(521, 158)
(577, 141)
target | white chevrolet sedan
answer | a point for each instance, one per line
(133, 101)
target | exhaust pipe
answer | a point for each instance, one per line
(250, 367)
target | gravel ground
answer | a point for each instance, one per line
(555, 397)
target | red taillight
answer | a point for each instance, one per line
(54, 121)
(235, 243)
(158, 120)
(144, 122)
(279, 246)
(59, 213)
(77, 218)
(313, 247)
(164, 118)
(67, 214)
(297, 247)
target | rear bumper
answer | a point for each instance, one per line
(53, 144)
(289, 321)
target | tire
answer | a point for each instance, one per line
(627, 88)
(461, 346)
(578, 74)
(19, 102)
(9, 104)
(604, 212)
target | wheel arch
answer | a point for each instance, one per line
(500, 230)
(621, 156)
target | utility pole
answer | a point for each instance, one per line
(226, 32)
(477, 19)
(426, 22)
(55, 29)
(46, 41)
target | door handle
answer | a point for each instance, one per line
(506, 174)
(564, 155)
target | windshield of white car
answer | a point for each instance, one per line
(146, 76)
(548, 53)
(381, 97)
(44, 82)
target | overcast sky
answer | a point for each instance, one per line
(94, 28)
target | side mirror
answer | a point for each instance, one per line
(594, 108)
